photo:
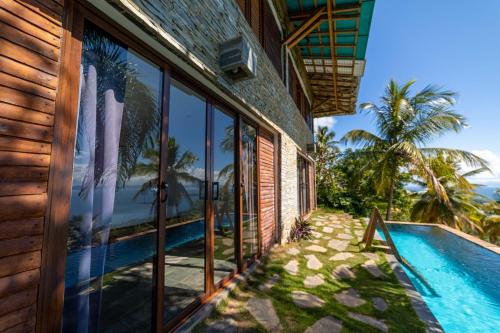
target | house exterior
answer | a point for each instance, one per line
(138, 175)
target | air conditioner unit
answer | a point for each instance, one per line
(237, 59)
(311, 148)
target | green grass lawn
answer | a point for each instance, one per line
(399, 316)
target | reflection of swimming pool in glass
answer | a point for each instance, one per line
(137, 249)
(464, 276)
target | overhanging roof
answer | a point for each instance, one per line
(332, 36)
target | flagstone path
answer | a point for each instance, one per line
(326, 284)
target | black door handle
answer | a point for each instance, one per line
(215, 190)
(163, 191)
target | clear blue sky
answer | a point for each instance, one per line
(451, 43)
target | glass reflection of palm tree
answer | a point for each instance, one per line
(226, 174)
(118, 118)
(176, 175)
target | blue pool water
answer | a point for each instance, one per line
(465, 277)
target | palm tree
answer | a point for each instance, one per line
(326, 152)
(462, 210)
(176, 175)
(404, 124)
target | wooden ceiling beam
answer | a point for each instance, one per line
(310, 24)
(332, 47)
(300, 15)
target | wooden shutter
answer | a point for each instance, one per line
(267, 190)
(255, 17)
(242, 4)
(29, 65)
(271, 37)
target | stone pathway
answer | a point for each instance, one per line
(227, 325)
(313, 262)
(314, 281)
(380, 304)
(328, 230)
(292, 267)
(316, 248)
(263, 311)
(369, 321)
(341, 256)
(349, 298)
(293, 251)
(305, 300)
(338, 245)
(269, 284)
(373, 269)
(343, 272)
(344, 236)
(327, 324)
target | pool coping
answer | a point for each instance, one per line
(417, 302)
(473, 239)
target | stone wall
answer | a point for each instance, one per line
(195, 30)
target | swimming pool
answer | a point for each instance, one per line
(465, 277)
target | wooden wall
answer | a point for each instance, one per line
(30, 42)
(267, 190)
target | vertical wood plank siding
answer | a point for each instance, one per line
(30, 43)
(267, 190)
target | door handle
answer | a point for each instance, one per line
(163, 191)
(215, 190)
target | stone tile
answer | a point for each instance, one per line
(227, 242)
(316, 234)
(314, 241)
(342, 256)
(373, 269)
(349, 298)
(232, 307)
(328, 230)
(293, 251)
(373, 322)
(380, 304)
(306, 300)
(316, 248)
(270, 283)
(292, 267)
(228, 251)
(227, 325)
(313, 262)
(313, 281)
(339, 245)
(370, 255)
(325, 325)
(343, 272)
(336, 226)
(359, 233)
(263, 311)
(344, 236)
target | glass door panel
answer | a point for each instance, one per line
(112, 226)
(185, 178)
(224, 195)
(249, 190)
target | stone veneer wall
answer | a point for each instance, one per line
(199, 27)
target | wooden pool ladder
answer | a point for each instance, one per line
(376, 219)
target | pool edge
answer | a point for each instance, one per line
(418, 303)
(473, 239)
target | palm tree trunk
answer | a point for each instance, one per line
(389, 201)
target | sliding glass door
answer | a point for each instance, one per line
(186, 200)
(155, 224)
(112, 225)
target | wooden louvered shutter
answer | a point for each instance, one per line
(256, 17)
(271, 37)
(267, 190)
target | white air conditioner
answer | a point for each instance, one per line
(237, 59)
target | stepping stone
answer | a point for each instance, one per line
(343, 272)
(313, 262)
(314, 241)
(342, 256)
(305, 300)
(316, 234)
(313, 281)
(338, 245)
(316, 248)
(228, 251)
(293, 251)
(326, 237)
(344, 236)
(227, 325)
(359, 233)
(373, 269)
(263, 311)
(370, 256)
(325, 325)
(292, 267)
(349, 298)
(373, 322)
(227, 242)
(337, 226)
(380, 304)
(328, 230)
(269, 284)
